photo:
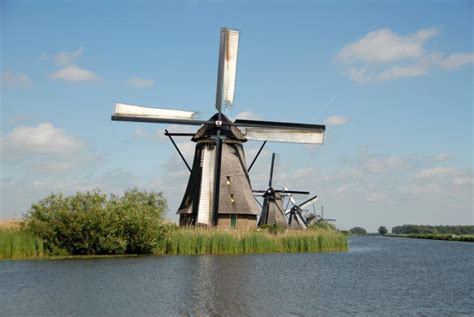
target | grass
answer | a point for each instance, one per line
(17, 244)
(193, 241)
(437, 236)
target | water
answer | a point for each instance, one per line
(378, 276)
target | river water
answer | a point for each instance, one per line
(379, 276)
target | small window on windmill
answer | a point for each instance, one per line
(233, 221)
(232, 200)
(228, 181)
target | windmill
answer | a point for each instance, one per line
(296, 220)
(272, 207)
(219, 192)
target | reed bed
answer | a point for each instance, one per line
(194, 241)
(17, 244)
(448, 237)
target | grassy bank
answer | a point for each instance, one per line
(17, 244)
(192, 241)
(436, 236)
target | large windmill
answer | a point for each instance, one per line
(219, 192)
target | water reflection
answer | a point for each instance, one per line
(379, 276)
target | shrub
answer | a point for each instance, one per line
(92, 223)
(382, 230)
(358, 231)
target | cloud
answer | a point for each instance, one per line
(43, 139)
(384, 45)
(336, 120)
(140, 82)
(395, 72)
(73, 73)
(385, 55)
(15, 80)
(449, 174)
(454, 61)
(246, 115)
(65, 58)
(443, 157)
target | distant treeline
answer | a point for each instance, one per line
(422, 229)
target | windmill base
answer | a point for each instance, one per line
(224, 221)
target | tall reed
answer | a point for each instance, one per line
(191, 241)
(16, 244)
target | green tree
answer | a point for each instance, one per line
(358, 231)
(92, 223)
(383, 230)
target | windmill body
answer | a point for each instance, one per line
(219, 192)
(236, 201)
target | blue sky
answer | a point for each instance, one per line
(392, 81)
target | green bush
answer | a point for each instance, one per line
(93, 223)
(358, 231)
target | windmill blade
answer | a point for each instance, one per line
(126, 112)
(294, 192)
(291, 198)
(271, 170)
(309, 202)
(228, 51)
(281, 131)
(300, 219)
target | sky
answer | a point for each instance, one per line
(392, 81)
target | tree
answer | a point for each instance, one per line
(358, 231)
(382, 230)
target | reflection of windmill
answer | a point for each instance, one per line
(272, 208)
(219, 191)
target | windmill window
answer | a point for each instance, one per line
(233, 221)
(228, 180)
(232, 200)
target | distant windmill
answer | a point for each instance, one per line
(219, 192)
(272, 207)
(296, 220)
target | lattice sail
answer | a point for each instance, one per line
(281, 131)
(122, 109)
(228, 52)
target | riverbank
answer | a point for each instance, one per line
(433, 236)
(20, 244)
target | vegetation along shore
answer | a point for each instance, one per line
(92, 223)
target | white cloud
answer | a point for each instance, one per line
(73, 73)
(359, 75)
(65, 58)
(246, 115)
(14, 80)
(43, 139)
(336, 120)
(385, 55)
(443, 157)
(396, 71)
(140, 82)
(454, 61)
(384, 45)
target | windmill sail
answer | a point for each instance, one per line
(126, 112)
(281, 131)
(228, 51)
